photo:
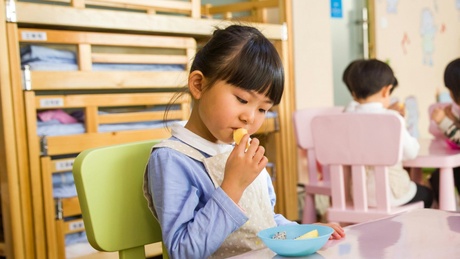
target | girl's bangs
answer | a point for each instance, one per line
(262, 73)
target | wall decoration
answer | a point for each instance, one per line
(412, 116)
(457, 5)
(427, 31)
(392, 6)
(404, 42)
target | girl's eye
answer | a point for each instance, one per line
(241, 100)
(263, 111)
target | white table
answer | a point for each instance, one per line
(436, 153)
(420, 234)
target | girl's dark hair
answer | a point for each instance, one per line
(242, 56)
(395, 84)
(346, 73)
(367, 77)
(452, 79)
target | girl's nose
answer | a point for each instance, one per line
(248, 116)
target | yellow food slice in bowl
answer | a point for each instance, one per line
(310, 234)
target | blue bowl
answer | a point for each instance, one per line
(292, 247)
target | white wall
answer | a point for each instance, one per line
(312, 53)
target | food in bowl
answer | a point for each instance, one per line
(309, 234)
(290, 246)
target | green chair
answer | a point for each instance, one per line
(109, 184)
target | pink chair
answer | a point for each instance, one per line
(357, 140)
(317, 183)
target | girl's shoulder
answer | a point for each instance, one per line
(177, 163)
(171, 143)
(174, 149)
(163, 156)
(171, 146)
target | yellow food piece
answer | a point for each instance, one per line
(310, 234)
(238, 134)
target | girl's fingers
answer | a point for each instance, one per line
(254, 145)
(260, 157)
(243, 143)
(263, 162)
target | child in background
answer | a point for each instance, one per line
(353, 103)
(447, 119)
(371, 82)
(394, 105)
(212, 197)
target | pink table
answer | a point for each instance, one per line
(436, 154)
(420, 233)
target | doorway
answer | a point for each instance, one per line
(348, 43)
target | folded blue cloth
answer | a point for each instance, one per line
(74, 238)
(45, 58)
(137, 67)
(34, 53)
(64, 185)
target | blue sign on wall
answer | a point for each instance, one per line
(336, 9)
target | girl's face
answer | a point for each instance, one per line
(223, 108)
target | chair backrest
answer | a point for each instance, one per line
(109, 183)
(358, 140)
(302, 126)
(433, 128)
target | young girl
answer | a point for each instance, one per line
(448, 120)
(371, 83)
(211, 197)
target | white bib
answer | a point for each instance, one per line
(255, 201)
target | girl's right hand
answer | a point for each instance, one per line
(242, 167)
(399, 107)
(449, 114)
(437, 115)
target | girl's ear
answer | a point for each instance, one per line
(386, 91)
(196, 84)
(353, 95)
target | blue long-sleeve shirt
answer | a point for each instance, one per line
(195, 217)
